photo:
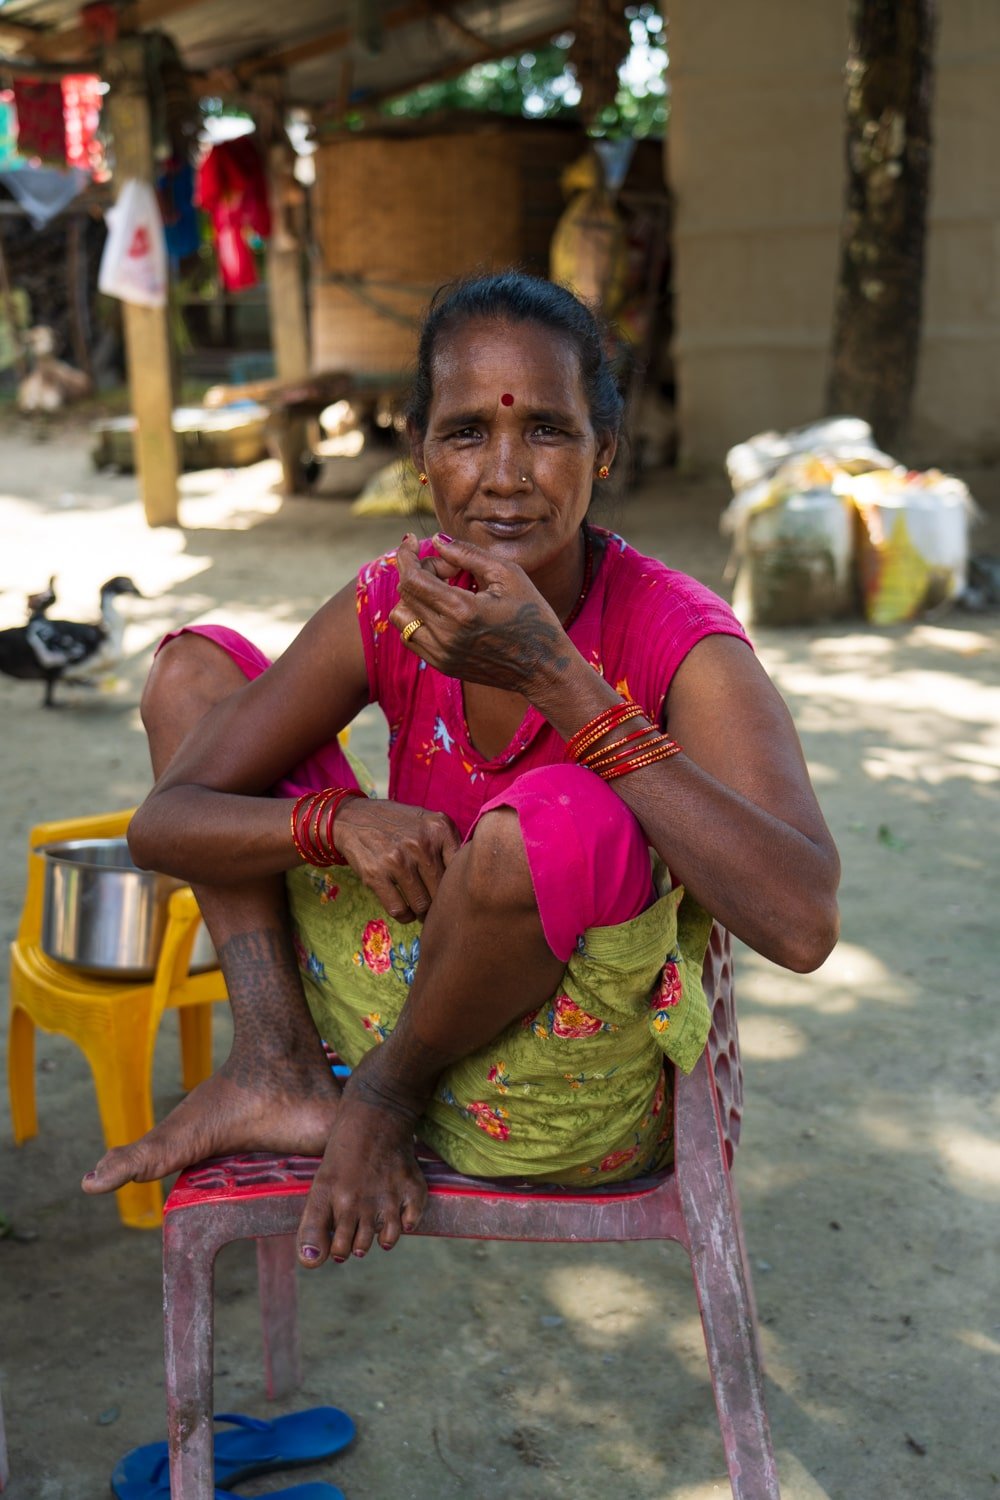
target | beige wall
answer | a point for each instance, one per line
(756, 164)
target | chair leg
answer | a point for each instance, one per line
(276, 1265)
(730, 1339)
(718, 1263)
(195, 1022)
(21, 1075)
(747, 1276)
(4, 1466)
(126, 1108)
(189, 1346)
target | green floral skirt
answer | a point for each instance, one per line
(575, 1092)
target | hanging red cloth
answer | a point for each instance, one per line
(41, 125)
(232, 189)
(82, 108)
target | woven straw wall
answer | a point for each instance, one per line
(397, 216)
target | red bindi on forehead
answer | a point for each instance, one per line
(507, 399)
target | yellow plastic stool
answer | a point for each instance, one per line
(113, 1022)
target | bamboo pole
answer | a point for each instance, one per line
(147, 329)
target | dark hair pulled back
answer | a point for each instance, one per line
(514, 297)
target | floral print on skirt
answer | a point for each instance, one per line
(576, 1091)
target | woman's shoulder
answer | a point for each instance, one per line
(646, 586)
(380, 571)
(652, 616)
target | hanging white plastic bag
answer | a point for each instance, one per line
(134, 263)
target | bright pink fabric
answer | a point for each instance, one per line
(588, 855)
(639, 621)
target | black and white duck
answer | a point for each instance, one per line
(42, 602)
(52, 651)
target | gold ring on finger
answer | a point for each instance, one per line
(409, 630)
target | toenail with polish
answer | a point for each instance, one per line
(339, 1259)
(360, 1254)
(385, 1247)
(309, 1252)
(89, 1176)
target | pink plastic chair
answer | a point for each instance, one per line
(4, 1467)
(260, 1197)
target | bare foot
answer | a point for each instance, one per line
(369, 1185)
(238, 1109)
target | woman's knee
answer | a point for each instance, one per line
(586, 855)
(189, 675)
(497, 872)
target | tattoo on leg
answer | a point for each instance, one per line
(275, 1031)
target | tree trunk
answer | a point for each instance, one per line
(877, 318)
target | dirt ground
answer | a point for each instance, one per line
(870, 1169)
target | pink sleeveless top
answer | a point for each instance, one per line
(637, 624)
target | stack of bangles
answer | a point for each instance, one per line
(312, 824)
(642, 747)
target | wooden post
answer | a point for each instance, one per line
(285, 281)
(285, 284)
(147, 329)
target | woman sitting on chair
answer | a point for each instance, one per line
(492, 949)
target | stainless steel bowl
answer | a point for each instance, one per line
(102, 914)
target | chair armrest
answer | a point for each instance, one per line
(174, 962)
(111, 825)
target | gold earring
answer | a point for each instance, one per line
(603, 472)
(422, 477)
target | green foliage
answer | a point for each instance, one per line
(535, 84)
(542, 85)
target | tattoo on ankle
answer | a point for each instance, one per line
(274, 1031)
(268, 946)
(372, 1093)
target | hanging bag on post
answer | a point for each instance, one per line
(134, 262)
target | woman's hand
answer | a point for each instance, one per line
(504, 635)
(399, 852)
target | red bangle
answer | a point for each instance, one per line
(302, 853)
(611, 718)
(340, 796)
(312, 825)
(661, 751)
(597, 758)
(311, 822)
(302, 838)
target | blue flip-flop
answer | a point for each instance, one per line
(315, 1490)
(251, 1447)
